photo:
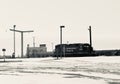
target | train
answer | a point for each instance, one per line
(74, 50)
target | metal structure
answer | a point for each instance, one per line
(61, 39)
(21, 38)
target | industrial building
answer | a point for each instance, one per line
(40, 51)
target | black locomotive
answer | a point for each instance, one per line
(73, 50)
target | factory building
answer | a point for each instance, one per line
(40, 51)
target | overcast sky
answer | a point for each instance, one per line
(45, 17)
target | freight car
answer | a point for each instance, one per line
(73, 50)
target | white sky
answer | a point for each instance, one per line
(45, 17)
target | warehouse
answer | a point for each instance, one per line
(40, 51)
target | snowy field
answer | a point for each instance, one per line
(81, 70)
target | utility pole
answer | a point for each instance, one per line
(21, 38)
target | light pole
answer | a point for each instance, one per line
(28, 55)
(33, 41)
(90, 34)
(61, 47)
(52, 46)
(13, 56)
(21, 38)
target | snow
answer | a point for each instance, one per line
(78, 70)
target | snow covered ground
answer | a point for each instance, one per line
(79, 70)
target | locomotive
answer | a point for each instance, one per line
(73, 50)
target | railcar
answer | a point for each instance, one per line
(73, 50)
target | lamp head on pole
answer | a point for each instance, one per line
(62, 26)
(89, 28)
(14, 26)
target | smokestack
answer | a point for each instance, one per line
(90, 34)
